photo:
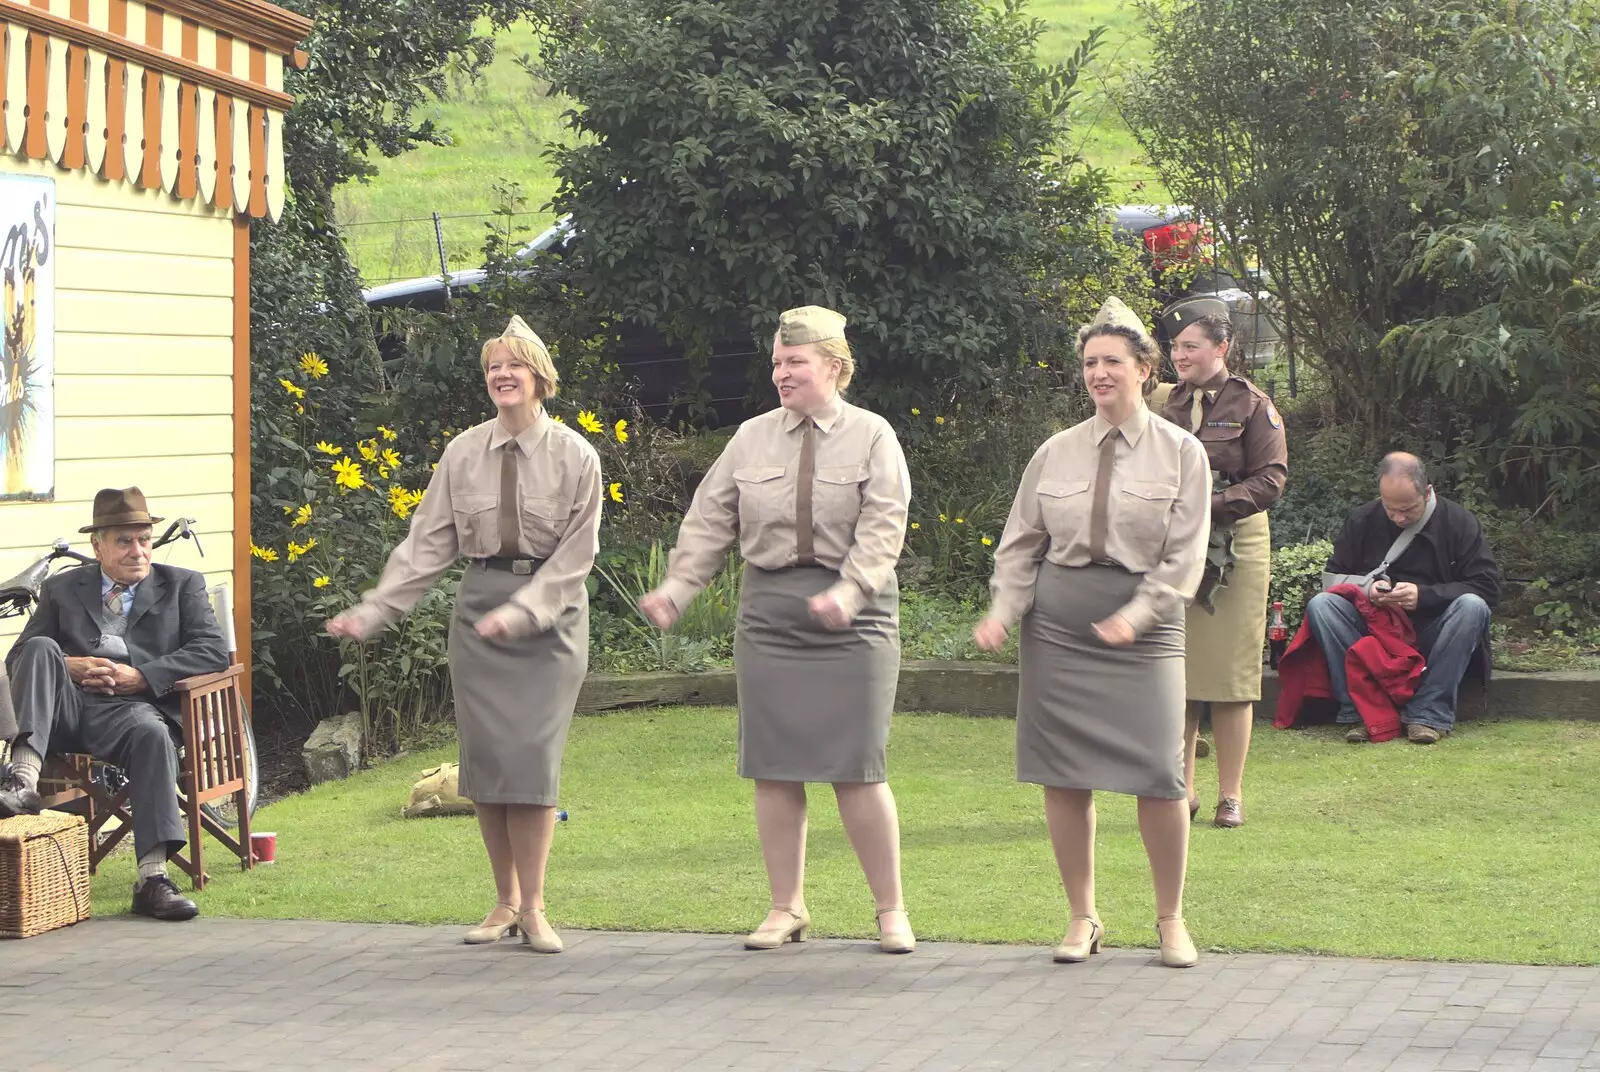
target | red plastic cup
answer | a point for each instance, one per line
(264, 848)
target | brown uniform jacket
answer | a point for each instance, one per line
(1243, 436)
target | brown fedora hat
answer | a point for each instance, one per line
(119, 506)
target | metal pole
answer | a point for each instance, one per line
(444, 264)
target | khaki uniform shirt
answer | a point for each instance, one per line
(1159, 515)
(558, 511)
(860, 499)
(1243, 436)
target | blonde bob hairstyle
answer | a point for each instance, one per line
(831, 350)
(535, 358)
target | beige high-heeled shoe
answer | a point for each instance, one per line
(1078, 952)
(539, 939)
(1179, 950)
(896, 939)
(486, 933)
(765, 937)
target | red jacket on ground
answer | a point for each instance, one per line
(1382, 668)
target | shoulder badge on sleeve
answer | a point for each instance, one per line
(1272, 416)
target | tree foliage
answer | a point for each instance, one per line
(1418, 180)
(892, 159)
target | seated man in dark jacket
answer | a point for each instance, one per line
(1442, 575)
(95, 670)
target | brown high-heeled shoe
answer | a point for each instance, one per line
(486, 933)
(764, 937)
(1177, 951)
(896, 939)
(1078, 952)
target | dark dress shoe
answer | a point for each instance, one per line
(1230, 813)
(1417, 733)
(16, 798)
(158, 898)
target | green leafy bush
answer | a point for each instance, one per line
(1297, 576)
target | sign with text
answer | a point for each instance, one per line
(27, 359)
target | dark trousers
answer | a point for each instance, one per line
(55, 715)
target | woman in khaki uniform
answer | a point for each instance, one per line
(1104, 546)
(519, 495)
(816, 492)
(1248, 455)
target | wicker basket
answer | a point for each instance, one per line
(44, 873)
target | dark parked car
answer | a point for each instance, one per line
(1173, 239)
(659, 369)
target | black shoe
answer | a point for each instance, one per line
(16, 797)
(158, 898)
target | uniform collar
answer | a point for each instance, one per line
(1132, 429)
(530, 438)
(826, 417)
(1217, 382)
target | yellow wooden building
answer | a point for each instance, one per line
(140, 140)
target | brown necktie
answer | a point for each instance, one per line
(1197, 412)
(114, 600)
(510, 528)
(805, 476)
(1099, 519)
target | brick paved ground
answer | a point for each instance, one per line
(228, 994)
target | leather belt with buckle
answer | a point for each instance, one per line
(522, 567)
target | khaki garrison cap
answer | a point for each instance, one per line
(1116, 313)
(517, 328)
(809, 324)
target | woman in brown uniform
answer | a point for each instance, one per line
(1104, 546)
(519, 495)
(816, 492)
(1243, 436)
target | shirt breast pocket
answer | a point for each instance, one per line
(1144, 509)
(836, 497)
(1064, 507)
(477, 520)
(543, 520)
(764, 496)
(1224, 446)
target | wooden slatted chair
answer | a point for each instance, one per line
(213, 765)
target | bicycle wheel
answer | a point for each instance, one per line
(225, 811)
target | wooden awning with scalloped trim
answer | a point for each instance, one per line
(183, 96)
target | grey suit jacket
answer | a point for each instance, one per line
(172, 631)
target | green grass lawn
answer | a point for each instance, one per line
(1483, 848)
(501, 125)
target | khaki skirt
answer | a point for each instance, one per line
(1224, 649)
(514, 699)
(814, 703)
(1090, 716)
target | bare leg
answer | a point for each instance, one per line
(1231, 723)
(1191, 734)
(781, 826)
(531, 828)
(497, 840)
(873, 827)
(1164, 825)
(1069, 813)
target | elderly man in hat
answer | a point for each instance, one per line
(94, 672)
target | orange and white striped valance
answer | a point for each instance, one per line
(145, 93)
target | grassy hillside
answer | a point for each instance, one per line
(501, 125)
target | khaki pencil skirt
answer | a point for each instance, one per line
(814, 703)
(1090, 716)
(514, 699)
(1224, 649)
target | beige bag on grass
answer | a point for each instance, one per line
(438, 793)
